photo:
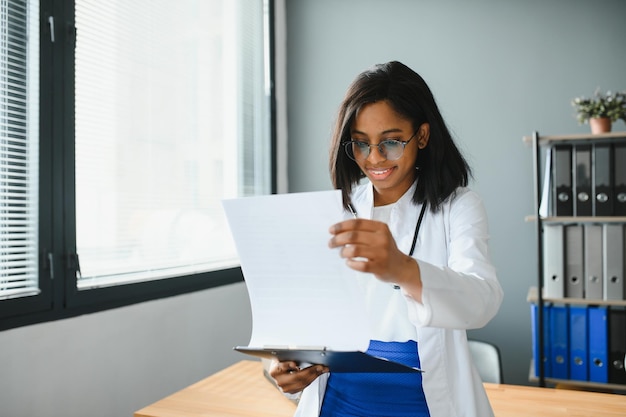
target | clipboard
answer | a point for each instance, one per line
(336, 361)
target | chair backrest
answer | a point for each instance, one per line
(487, 360)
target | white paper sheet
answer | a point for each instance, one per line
(544, 205)
(301, 292)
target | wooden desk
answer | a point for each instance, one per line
(241, 390)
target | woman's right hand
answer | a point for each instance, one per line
(291, 379)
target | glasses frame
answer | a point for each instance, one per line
(378, 145)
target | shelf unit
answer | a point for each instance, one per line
(535, 295)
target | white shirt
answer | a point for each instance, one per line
(460, 292)
(387, 307)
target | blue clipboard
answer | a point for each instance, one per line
(336, 361)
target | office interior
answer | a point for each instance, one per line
(499, 70)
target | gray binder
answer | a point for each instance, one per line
(613, 261)
(583, 203)
(603, 180)
(574, 254)
(562, 184)
(553, 260)
(593, 261)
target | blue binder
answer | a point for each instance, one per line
(559, 336)
(598, 344)
(546, 339)
(579, 339)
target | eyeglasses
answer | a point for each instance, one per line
(390, 149)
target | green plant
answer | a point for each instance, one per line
(611, 105)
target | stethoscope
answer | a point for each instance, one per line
(417, 230)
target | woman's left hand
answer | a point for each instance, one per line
(368, 246)
(291, 379)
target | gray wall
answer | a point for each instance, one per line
(499, 70)
(113, 363)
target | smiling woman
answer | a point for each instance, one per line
(419, 249)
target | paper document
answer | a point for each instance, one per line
(307, 305)
(545, 204)
(301, 292)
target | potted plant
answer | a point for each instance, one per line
(601, 110)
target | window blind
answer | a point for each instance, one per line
(172, 116)
(19, 147)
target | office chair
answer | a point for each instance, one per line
(487, 360)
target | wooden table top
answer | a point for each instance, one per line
(524, 401)
(242, 390)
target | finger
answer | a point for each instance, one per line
(343, 226)
(361, 265)
(278, 368)
(355, 224)
(374, 248)
(347, 238)
(361, 238)
(314, 371)
(372, 234)
(297, 381)
(358, 252)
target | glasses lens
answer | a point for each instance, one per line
(391, 149)
(361, 149)
(357, 150)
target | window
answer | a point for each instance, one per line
(19, 147)
(122, 131)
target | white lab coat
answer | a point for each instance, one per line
(460, 291)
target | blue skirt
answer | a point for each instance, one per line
(378, 394)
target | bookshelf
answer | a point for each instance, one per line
(550, 216)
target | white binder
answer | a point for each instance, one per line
(553, 260)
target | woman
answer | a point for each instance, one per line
(422, 237)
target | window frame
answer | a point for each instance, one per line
(59, 297)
